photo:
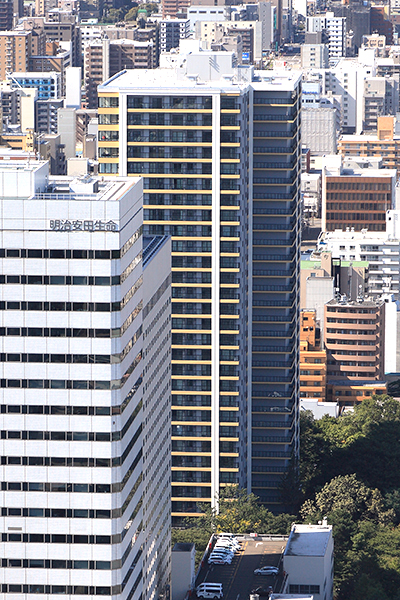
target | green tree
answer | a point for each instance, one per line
(192, 535)
(346, 493)
(150, 8)
(114, 15)
(131, 14)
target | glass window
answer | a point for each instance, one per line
(81, 564)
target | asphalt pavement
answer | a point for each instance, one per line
(238, 578)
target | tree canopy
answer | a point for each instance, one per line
(350, 475)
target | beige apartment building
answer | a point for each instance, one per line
(385, 143)
(355, 341)
(105, 58)
(15, 52)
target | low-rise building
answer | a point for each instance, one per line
(308, 561)
(385, 143)
(356, 195)
(379, 249)
(319, 130)
(350, 393)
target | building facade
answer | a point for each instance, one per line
(357, 198)
(312, 358)
(385, 143)
(47, 84)
(220, 158)
(15, 52)
(172, 31)
(355, 340)
(105, 58)
(85, 389)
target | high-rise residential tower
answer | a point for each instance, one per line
(218, 148)
(85, 389)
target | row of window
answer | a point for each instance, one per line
(174, 102)
(15, 588)
(177, 119)
(58, 253)
(62, 306)
(60, 358)
(59, 280)
(176, 152)
(91, 488)
(166, 135)
(357, 185)
(69, 436)
(39, 563)
(357, 217)
(72, 410)
(57, 332)
(49, 538)
(372, 332)
(84, 488)
(57, 513)
(347, 310)
(58, 461)
(61, 461)
(59, 384)
(355, 205)
(303, 589)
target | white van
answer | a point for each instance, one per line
(211, 591)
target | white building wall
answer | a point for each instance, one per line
(312, 563)
(390, 337)
(319, 132)
(73, 82)
(157, 419)
(319, 290)
(206, 13)
(73, 379)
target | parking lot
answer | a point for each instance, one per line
(238, 578)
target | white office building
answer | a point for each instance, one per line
(336, 30)
(380, 248)
(85, 389)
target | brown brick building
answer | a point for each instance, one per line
(357, 198)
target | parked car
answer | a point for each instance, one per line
(222, 556)
(220, 560)
(210, 591)
(222, 551)
(268, 570)
(227, 546)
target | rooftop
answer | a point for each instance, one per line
(290, 596)
(387, 173)
(363, 383)
(183, 547)
(308, 540)
(199, 71)
(351, 303)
